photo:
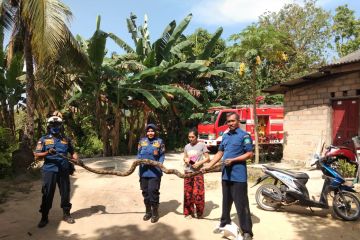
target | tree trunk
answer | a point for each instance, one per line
(1, 118)
(131, 137)
(39, 128)
(12, 120)
(5, 113)
(116, 132)
(28, 138)
(254, 85)
(103, 128)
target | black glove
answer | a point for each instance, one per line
(52, 151)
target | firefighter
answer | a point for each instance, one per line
(54, 146)
(153, 148)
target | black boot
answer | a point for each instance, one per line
(67, 217)
(155, 213)
(148, 214)
(44, 221)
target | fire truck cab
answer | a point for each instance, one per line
(270, 124)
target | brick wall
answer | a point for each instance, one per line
(308, 115)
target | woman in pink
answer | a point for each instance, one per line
(195, 155)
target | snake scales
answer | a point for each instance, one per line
(215, 168)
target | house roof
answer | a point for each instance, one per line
(350, 58)
(353, 57)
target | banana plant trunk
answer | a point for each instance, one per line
(132, 124)
(115, 133)
(254, 85)
(28, 138)
(103, 128)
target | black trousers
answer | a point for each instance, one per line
(236, 192)
(150, 190)
(50, 179)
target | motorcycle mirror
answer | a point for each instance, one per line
(314, 160)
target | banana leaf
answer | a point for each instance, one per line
(211, 44)
(121, 43)
(178, 91)
(175, 36)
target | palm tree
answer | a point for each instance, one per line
(11, 87)
(40, 26)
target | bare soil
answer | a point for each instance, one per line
(111, 207)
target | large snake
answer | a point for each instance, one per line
(215, 168)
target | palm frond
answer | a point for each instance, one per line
(46, 20)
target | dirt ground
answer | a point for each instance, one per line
(110, 207)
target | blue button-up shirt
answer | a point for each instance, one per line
(153, 149)
(235, 143)
(62, 145)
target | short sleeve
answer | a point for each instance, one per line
(222, 145)
(162, 151)
(162, 147)
(205, 149)
(40, 146)
(186, 148)
(247, 143)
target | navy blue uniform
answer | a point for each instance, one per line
(150, 176)
(234, 179)
(235, 144)
(55, 170)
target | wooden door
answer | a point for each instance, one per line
(345, 124)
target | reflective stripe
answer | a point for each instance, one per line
(276, 121)
(276, 131)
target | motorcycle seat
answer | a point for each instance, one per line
(297, 175)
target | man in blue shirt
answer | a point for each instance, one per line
(56, 169)
(153, 148)
(235, 148)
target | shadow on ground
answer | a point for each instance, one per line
(132, 232)
(321, 224)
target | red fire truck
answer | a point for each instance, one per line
(270, 125)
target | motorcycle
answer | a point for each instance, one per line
(289, 188)
(336, 153)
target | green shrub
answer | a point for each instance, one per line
(7, 146)
(346, 169)
(90, 146)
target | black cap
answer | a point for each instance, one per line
(152, 126)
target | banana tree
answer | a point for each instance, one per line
(170, 70)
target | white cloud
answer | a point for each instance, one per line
(230, 12)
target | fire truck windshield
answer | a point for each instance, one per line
(210, 117)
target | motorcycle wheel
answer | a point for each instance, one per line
(347, 206)
(266, 203)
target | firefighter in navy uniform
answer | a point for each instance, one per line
(56, 169)
(153, 148)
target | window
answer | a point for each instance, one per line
(222, 119)
(210, 117)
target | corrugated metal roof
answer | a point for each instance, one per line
(282, 87)
(353, 57)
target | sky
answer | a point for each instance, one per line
(232, 15)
